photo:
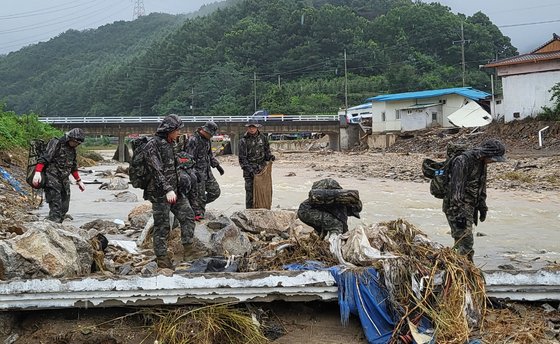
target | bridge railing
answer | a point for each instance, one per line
(191, 119)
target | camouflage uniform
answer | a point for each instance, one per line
(466, 196)
(254, 152)
(187, 177)
(208, 189)
(60, 161)
(161, 161)
(327, 218)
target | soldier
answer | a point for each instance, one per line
(466, 196)
(254, 152)
(328, 207)
(200, 148)
(162, 192)
(58, 162)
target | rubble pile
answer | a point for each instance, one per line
(518, 136)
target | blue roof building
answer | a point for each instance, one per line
(418, 110)
(467, 92)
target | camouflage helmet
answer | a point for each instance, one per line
(76, 134)
(493, 149)
(169, 124)
(327, 183)
(185, 160)
(210, 127)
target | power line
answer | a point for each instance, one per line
(34, 13)
(533, 23)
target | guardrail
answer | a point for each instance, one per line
(191, 119)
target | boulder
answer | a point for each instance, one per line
(124, 196)
(270, 221)
(101, 226)
(116, 183)
(221, 237)
(140, 215)
(46, 249)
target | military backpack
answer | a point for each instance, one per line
(36, 149)
(138, 171)
(438, 171)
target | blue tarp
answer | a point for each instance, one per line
(362, 293)
(467, 92)
(13, 182)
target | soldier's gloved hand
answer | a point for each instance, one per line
(461, 223)
(483, 213)
(220, 169)
(37, 179)
(81, 185)
(171, 197)
(249, 170)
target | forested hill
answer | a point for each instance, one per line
(291, 52)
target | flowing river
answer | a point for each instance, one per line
(521, 229)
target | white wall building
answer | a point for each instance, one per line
(527, 79)
(419, 110)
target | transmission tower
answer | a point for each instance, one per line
(138, 9)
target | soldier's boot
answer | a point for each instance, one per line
(164, 262)
(190, 252)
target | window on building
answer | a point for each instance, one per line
(516, 115)
(397, 114)
(383, 119)
(498, 101)
(443, 101)
(434, 116)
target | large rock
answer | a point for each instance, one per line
(116, 183)
(46, 249)
(140, 215)
(221, 237)
(270, 221)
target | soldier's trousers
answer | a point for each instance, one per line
(183, 213)
(248, 192)
(322, 221)
(464, 240)
(58, 198)
(207, 192)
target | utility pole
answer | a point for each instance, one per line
(345, 82)
(192, 101)
(462, 41)
(138, 9)
(255, 88)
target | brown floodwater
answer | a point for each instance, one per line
(522, 228)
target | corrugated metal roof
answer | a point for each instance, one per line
(525, 58)
(470, 115)
(361, 106)
(467, 92)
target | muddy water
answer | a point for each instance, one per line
(522, 228)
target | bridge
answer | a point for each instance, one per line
(234, 126)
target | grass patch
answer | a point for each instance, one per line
(212, 324)
(519, 176)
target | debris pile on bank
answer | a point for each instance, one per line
(516, 135)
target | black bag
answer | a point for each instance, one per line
(438, 172)
(138, 171)
(36, 149)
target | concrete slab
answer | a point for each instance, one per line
(293, 286)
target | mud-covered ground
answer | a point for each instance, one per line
(529, 167)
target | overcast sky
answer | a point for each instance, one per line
(24, 22)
